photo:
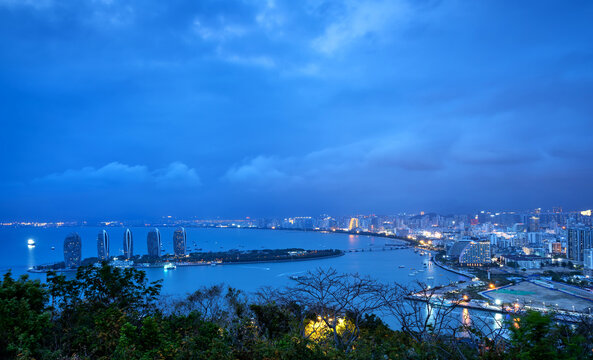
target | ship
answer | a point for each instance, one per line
(170, 266)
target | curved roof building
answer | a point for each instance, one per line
(72, 250)
(153, 242)
(476, 253)
(179, 241)
(128, 244)
(103, 245)
(457, 248)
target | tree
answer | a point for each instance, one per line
(424, 316)
(24, 318)
(335, 303)
(90, 310)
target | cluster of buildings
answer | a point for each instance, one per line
(525, 240)
(528, 240)
(73, 245)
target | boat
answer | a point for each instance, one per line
(31, 243)
(430, 278)
(53, 247)
(170, 266)
(401, 266)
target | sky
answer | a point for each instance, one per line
(220, 108)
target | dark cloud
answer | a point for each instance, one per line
(287, 107)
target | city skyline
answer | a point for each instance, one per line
(245, 108)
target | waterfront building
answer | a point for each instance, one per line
(457, 247)
(579, 239)
(153, 242)
(128, 244)
(179, 241)
(103, 245)
(72, 250)
(476, 253)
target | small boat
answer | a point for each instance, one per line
(170, 266)
(31, 243)
(53, 247)
(401, 267)
(430, 278)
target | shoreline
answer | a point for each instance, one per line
(210, 263)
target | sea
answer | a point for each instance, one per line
(365, 255)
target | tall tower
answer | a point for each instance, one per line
(153, 242)
(128, 244)
(179, 241)
(353, 224)
(72, 250)
(103, 245)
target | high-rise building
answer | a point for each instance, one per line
(579, 240)
(534, 223)
(179, 241)
(72, 250)
(103, 245)
(153, 242)
(353, 224)
(128, 244)
(476, 253)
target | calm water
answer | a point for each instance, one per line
(382, 265)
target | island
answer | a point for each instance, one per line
(203, 258)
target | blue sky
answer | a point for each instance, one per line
(123, 108)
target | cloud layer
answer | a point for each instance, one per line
(117, 174)
(279, 107)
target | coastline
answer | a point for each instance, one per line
(209, 263)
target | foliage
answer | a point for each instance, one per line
(24, 318)
(111, 313)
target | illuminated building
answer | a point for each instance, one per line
(534, 224)
(72, 250)
(476, 253)
(353, 224)
(579, 239)
(556, 247)
(179, 241)
(588, 262)
(103, 245)
(128, 244)
(153, 242)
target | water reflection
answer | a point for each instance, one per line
(465, 318)
(498, 319)
(31, 256)
(353, 239)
